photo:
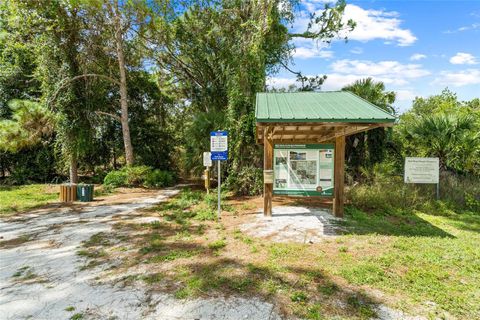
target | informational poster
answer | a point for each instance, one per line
(421, 170)
(303, 169)
(280, 169)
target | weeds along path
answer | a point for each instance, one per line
(42, 277)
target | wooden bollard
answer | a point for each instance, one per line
(206, 174)
(68, 192)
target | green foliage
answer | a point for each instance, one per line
(158, 179)
(246, 181)
(384, 191)
(217, 244)
(368, 148)
(115, 179)
(137, 176)
(453, 138)
(441, 126)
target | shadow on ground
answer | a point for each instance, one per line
(393, 224)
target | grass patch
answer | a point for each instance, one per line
(22, 198)
(152, 278)
(173, 255)
(98, 239)
(77, 316)
(70, 308)
(15, 241)
(217, 245)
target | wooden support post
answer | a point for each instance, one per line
(339, 175)
(267, 165)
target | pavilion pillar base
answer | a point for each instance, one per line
(339, 176)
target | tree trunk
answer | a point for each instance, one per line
(73, 169)
(123, 87)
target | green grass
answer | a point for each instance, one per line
(23, 198)
(421, 256)
(77, 316)
(217, 245)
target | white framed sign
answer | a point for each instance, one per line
(421, 170)
(207, 161)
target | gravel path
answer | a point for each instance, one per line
(40, 276)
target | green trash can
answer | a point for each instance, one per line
(84, 192)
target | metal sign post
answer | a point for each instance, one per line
(219, 189)
(219, 152)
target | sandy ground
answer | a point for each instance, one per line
(41, 276)
(293, 224)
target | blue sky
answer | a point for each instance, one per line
(417, 48)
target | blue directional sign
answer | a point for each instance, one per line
(219, 145)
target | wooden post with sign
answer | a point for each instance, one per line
(207, 162)
(267, 167)
(339, 176)
(206, 174)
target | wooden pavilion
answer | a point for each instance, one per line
(301, 119)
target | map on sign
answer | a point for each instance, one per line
(421, 170)
(219, 145)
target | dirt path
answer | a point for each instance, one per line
(41, 276)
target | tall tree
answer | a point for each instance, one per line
(217, 67)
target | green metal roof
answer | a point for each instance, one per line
(327, 106)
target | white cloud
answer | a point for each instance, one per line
(472, 26)
(346, 72)
(371, 24)
(377, 24)
(459, 78)
(279, 82)
(389, 72)
(463, 58)
(357, 50)
(311, 52)
(405, 95)
(417, 56)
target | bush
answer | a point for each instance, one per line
(115, 179)
(386, 193)
(248, 181)
(158, 178)
(138, 176)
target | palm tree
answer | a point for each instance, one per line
(375, 139)
(451, 138)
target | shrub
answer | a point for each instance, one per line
(204, 214)
(138, 176)
(248, 181)
(158, 178)
(115, 179)
(386, 193)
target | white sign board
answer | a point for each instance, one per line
(207, 161)
(218, 143)
(421, 170)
